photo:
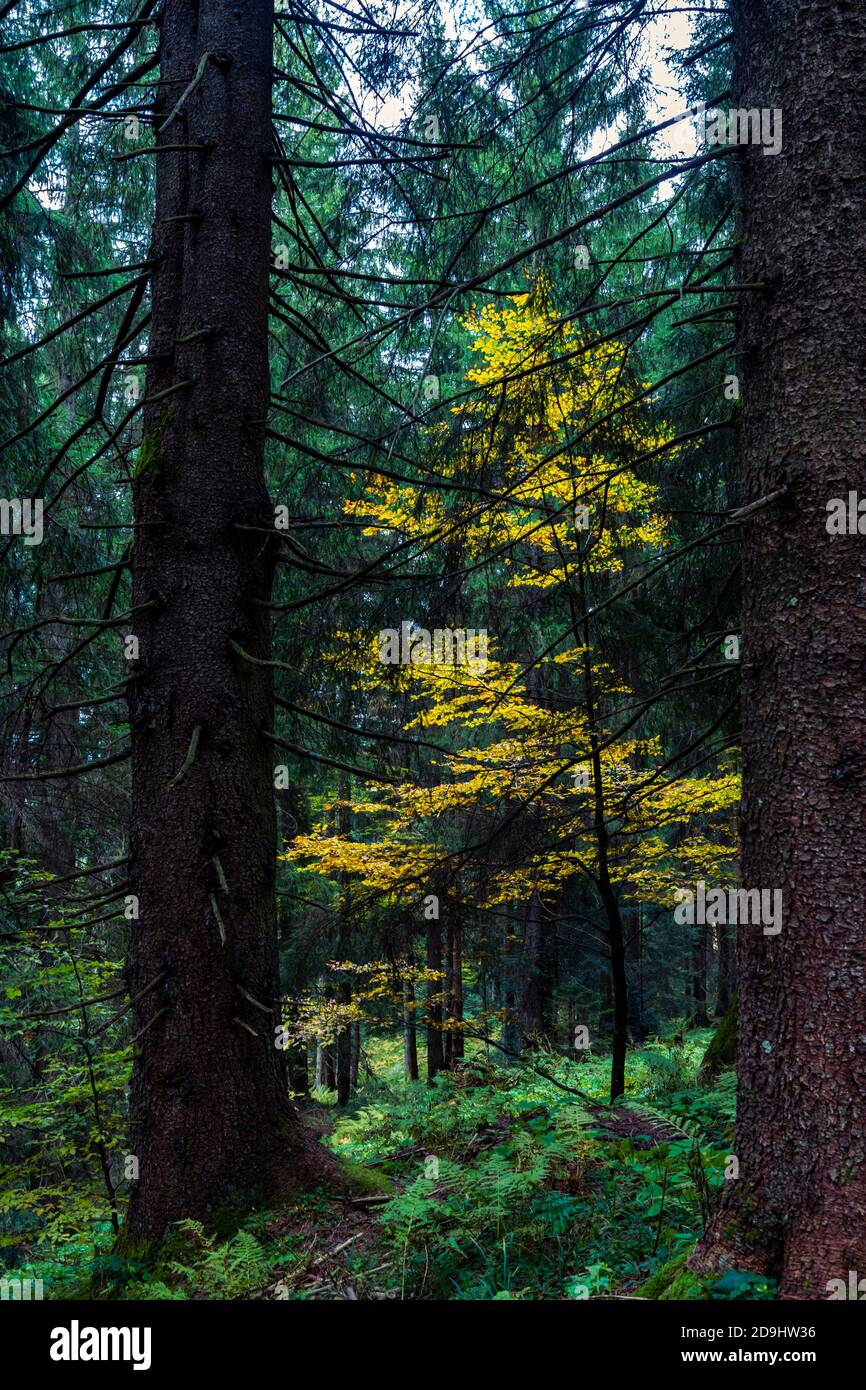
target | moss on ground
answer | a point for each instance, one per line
(672, 1281)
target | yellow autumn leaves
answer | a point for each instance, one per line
(546, 438)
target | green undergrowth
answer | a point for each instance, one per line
(508, 1190)
(494, 1183)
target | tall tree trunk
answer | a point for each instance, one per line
(355, 1063)
(535, 975)
(457, 1048)
(210, 1113)
(484, 977)
(325, 1070)
(344, 1049)
(410, 1032)
(699, 975)
(508, 971)
(615, 931)
(619, 986)
(798, 1210)
(448, 992)
(435, 1052)
(343, 825)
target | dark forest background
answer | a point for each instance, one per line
(325, 333)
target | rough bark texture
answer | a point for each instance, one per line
(798, 1210)
(209, 1107)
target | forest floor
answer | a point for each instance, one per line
(495, 1183)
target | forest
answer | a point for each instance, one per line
(432, 694)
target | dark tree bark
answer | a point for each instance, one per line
(209, 1108)
(699, 976)
(410, 1032)
(355, 1063)
(457, 1049)
(325, 1069)
(619, 985)
(507, 991)
(536, 975)
(435, 1051)
(614, 928)
(343, 826)
(798, 1210)
(448, 993)
(344, 1049)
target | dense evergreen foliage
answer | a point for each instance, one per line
(371, 701)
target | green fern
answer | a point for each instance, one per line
(229, 1270)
